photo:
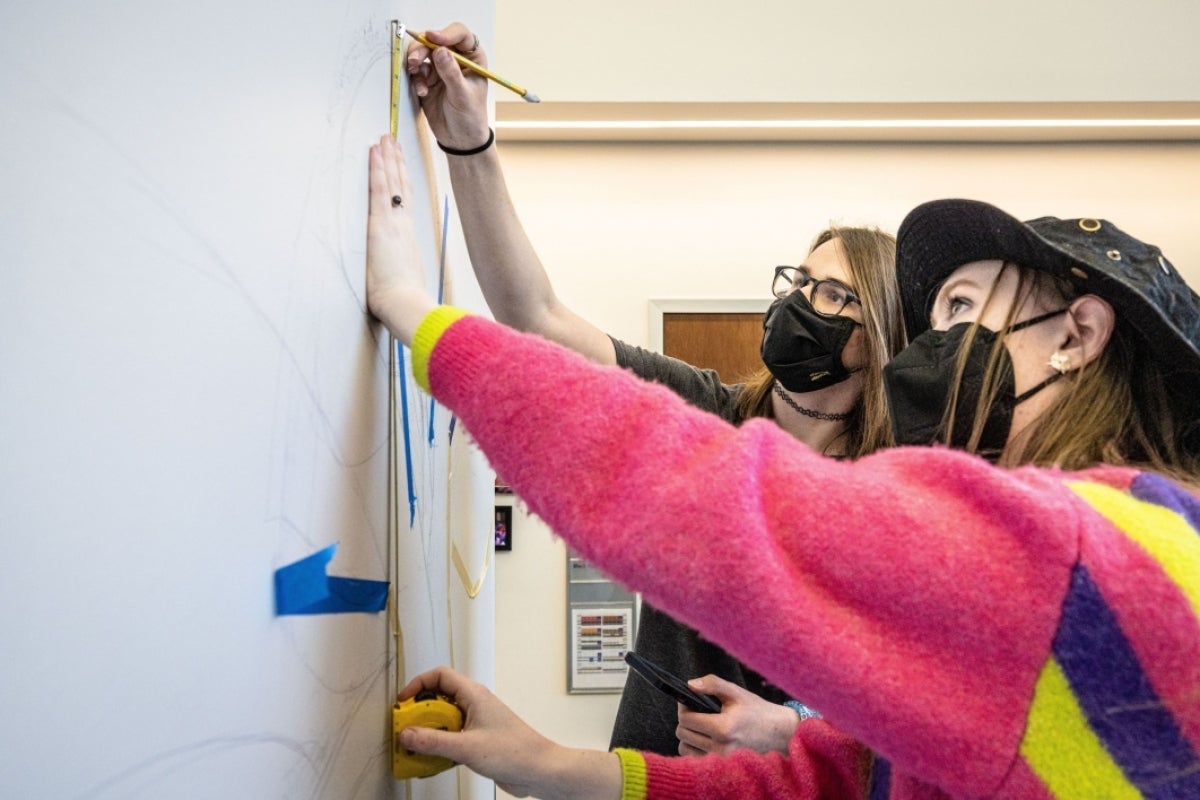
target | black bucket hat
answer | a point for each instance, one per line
(1147, 293)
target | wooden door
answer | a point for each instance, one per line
(726, 342)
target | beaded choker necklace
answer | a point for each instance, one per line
(808, 412)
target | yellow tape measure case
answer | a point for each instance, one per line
(425, 710)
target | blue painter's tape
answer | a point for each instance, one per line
(402, 376)
(304, 588)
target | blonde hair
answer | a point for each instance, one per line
(1116, 410)
(870, 257)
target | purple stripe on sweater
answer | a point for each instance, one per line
(1162, 492)
(881, 779)
(1123, 710)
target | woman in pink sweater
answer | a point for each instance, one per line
(1016, 615)
(826, 339)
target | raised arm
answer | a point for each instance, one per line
(514, 282)
(396, 291)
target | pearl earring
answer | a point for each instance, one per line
(1060, 362)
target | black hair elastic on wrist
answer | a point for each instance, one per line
(455, 152)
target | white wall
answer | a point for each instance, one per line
(193, 395)
(636, 221)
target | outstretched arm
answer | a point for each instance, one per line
(497, 744)
(775, 553)
(514, 282)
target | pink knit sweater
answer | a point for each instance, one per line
(1000, 633)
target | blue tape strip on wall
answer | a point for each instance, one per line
(304, 588)
(402, 378)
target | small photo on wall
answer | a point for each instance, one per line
(504, 527)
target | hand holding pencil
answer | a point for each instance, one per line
(460, 43)
(454, 99)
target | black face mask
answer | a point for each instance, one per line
(919, 382)
(802, 347)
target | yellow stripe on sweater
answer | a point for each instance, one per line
(426, 338)
(633, 774)
(1161, 532)
(1062, 749)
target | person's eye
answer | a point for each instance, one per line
(956, 304)
(828, 295)
(948, 307)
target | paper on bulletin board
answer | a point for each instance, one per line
(600, 637)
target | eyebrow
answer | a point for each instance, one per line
(954, 284)
(808, 271)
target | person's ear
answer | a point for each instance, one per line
(1090, 322)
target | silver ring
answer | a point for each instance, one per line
(475, 49)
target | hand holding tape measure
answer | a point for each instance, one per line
(427, 709)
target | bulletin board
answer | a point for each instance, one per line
(601, 629)
(195, 396)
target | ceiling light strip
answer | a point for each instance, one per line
(822, 124)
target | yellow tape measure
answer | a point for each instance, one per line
(398, 32)
(426, 710)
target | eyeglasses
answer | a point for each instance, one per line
(827, 296)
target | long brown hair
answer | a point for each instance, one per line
(1116, 410)
(870, 257)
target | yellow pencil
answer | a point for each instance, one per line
(479, 70)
